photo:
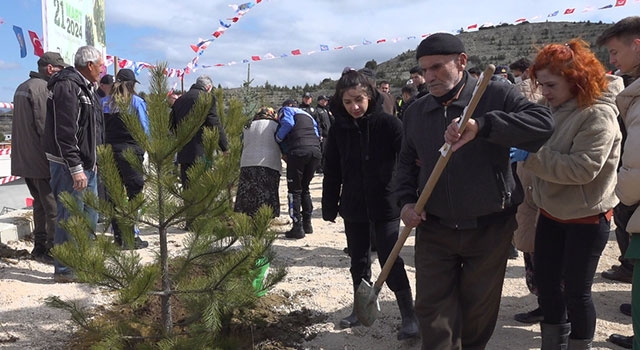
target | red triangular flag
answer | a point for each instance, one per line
(37, 45)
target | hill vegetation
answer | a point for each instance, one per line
(499, 45)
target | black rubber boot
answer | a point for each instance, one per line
(555, 336)
(41, 248)
(296, 231)
(580, 344)
(351, 320)
(39, 243)
(294, 211)
(307, 209)
(409, 328)
(306, 224)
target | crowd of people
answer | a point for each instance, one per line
(544, 164)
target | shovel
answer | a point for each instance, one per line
(366, 299)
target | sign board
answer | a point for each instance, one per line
(69, 24)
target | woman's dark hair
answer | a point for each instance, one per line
(350, 79)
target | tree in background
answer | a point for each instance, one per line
(212, 276)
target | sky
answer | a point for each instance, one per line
(163, 30)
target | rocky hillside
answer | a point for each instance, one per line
(499, 45)
(504, 44)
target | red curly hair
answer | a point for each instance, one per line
(578, 65)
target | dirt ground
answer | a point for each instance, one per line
(304, 310)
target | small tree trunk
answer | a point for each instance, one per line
(167, 319)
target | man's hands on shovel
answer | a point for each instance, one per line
(453, 137)
(409, 216)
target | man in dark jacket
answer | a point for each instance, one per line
(194, 149)
(324, 124)
(465, 230)
(27, 153)
(299, 139)
(72, 133)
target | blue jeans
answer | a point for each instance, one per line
(61, 181)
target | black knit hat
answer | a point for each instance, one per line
(439, 44)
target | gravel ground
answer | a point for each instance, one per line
(318, 277)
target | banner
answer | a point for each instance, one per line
(69, 24)
(20, 37)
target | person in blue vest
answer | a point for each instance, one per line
(299, 139)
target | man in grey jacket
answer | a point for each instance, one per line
(27, 152)
(465, 230)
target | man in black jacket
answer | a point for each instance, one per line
(194, 149)
(27, 154)
(73, 130)
(324, 124)
(464, 232)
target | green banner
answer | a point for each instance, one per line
(69, 24)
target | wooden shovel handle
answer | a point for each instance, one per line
(481, 86)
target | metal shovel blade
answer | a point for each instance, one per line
(366, 303)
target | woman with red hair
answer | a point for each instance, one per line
(573, 185)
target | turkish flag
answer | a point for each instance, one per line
(621, 2)
(296, 52)
(569, 11)
(37, 45)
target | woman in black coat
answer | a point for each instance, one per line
(360, 159)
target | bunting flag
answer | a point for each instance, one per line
(37, 45)
(20, 37)
(242, 9)
(1, 21)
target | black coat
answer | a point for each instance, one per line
(360, 159)
(478, 179)
(181, 108)
(73, 127)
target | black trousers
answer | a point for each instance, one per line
(359, 245)
(300, 170)
(569, 252)
(621, 215)
(459, 278)
(132, 179)
(44, 209)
